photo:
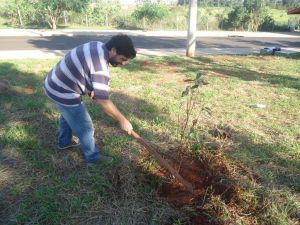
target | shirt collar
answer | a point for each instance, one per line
(106, 54)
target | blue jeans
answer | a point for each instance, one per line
(78, 121)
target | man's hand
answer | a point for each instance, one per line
(91, 95)
(110, 109)
(126, 126)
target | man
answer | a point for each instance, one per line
(85, 70)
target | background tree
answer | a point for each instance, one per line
(53, 9)
(289, 4)
(236, 17)
(256, 12)
(251, 14)
(182, 2)
(13, 10)
(22, 13)
(268, 24)
(102, 13)
(150, 12)
(264, 15)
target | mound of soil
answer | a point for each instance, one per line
(205, 184)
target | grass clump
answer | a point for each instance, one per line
(254, 150)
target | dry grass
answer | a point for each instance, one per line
(253, 152)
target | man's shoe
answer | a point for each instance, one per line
(102, 160)
(71, 145)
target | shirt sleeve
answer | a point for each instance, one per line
(100, 74)
(100, 84)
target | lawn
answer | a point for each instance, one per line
(250, 155)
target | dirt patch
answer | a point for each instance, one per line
(6, 88)
(207, 184)
(170, 67)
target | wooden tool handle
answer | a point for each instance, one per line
(163, 162)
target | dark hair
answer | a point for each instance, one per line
(123, 44)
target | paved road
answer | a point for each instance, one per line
(48, 44)
(145, 42)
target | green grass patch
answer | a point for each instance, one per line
(62, 191)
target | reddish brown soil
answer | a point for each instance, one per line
(148, 65)
(29, 90)
(204, 182)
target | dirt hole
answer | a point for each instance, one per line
(206, 183)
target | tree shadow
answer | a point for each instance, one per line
(65, 43)
(154, 64)
(138, 65)
(62, 42)
(161, 44)
(293, 33)
(191, 67)
(57, 178)
(289, 56)
(246, 74)
(270, 161)
(28, 155)
(22, 141)
(268, 42)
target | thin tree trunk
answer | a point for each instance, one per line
(106, 14)
(106, 19)
(20, 17)
(53, 22)
(207, 23)
(65, 18)
(54, 25)
(49, 23)
(144, 22)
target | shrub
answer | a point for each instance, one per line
(236, 18)
(268, 24)
(150, 12)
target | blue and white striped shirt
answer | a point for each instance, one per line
(82, 70)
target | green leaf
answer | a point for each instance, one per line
(195, 86)
(204, 82)
(186, 92)
(199, 75)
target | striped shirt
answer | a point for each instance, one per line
(82, 70)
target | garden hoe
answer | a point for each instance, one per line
(163, 162)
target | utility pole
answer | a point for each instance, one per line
(192, 28)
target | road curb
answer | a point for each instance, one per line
(40, 54)
(72, 32)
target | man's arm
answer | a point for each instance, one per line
(110, 109)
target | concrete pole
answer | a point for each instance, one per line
(192, 28)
